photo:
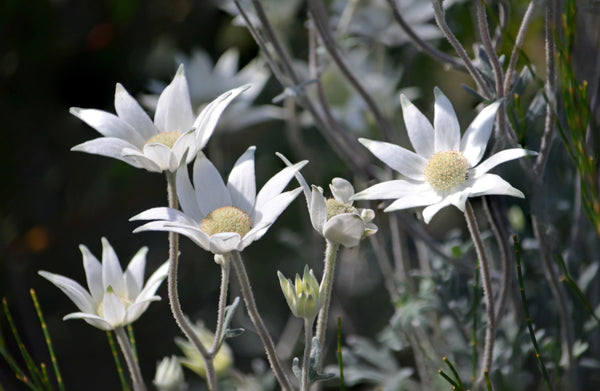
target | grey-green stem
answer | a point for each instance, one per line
(325, 288)
(180, 318)
(225, 268)
(240, 271)
(308, 323)
(132, 364)
(488, 295)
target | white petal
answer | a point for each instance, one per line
(162, 156)
(130, 111)
(134, 274)
(191, 232)
(108, 146)
(154, 282)
(499, 158)
(138, 308)
(400, 159)
(447, 128)
(114, 310)
(109, 125)
(390, 189)
(474, 141)
(493, 184)
(211, 192)
(346, 229)
(412, 200)
(112, 274)
(341, 189)
(93, 273)
(137, 159)
(72, 289)
(227, 65)
(459, 198)
(207, 120)
(305, 188)
(163, 213)
(276, 184)
(174, 110)
(185, 142)
(270, 211)
(317, 210)
(92, 319)
(431, 211)
(242, 182)
(419, 129)
(187, 195)
(224, 242)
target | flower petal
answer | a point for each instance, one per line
(174, 111)
(242, 182)
(317, 210)
(154, 282)
(346, 229)
(341, 189)
(72, 289)
(113, 309)
(137, 159)
(138, 308)
(390, 189)
(224, 242)
(474, 141)
(132, 113)
(400, 159)
(108, 146)
(499, 158)
(305, 188)
(271, 211)
(191, 232)
(134, 274)
(91, 319)
(427, 197)
(185, 142)
(275, 185)
(207, 120)
(164, 213)
(162, 156)
(93, 274)
(109, 125)
(187, 195)
(447, 128)
(432, 210)
(112, 274)
(211, 192)
(419, 129)
(493, 184)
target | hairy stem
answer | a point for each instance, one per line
(224, 261)
(132, 364)
(304, 384)
(240, 271)
(180, 318)
(326, 286)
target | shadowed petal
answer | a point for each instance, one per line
(113, 310)
(427, 197)
(400, 159)
(93, 273)
(174, 110)
(154, 282)
(474, 141)
(432, 210)
(92, 319)
(224, 242)
(109, 125)
(134, 274)
(447, 128)
(162, 156)
(186, 142)
(275, 185)
(211, 192)
(493, 184)
(499, 158)
(341, 189)
(164, 213)
(317, 210)
(242, 182)
(191, 232)
(270, 211)
(110, 147)
(130, 111)
(137, 159)
(138, 308)
(72, 289)
(390, 189)
(187, 195)
(419, 129)
(112, 274)
(345, 229)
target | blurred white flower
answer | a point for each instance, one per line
(223, 218)
(206, 80)
(169, 375)
(157, 146)
(445, 169)
(193, 359)
(115, 298)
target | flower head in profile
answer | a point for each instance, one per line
(336, 219)
(169, 375)
(194, 361)
(157, 146)
(445, 169)
(115, 298)
(304, 298)
(223, 217)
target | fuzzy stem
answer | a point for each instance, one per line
(240, 271)
(134, 369)
(180, 318)
(325, 288)
(304, 385)
(488, 296)
(224, 261)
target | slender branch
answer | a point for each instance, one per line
(460, 50)
(488, 295)
(240, 271)
(385, 265)
(224, 261)
(304, 385)
(400, 255)
(325, 288)
(319, 15)
(428, 49)
(132, 364)
(180, 318)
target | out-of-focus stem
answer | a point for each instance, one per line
(132, 364)
(222, 260)
(326, 286)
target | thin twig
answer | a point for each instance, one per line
(427, 48)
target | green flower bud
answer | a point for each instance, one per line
(304, 298)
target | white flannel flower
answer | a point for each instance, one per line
(223, 218)
(336, 219)
(115, 298)
(157, 146)
(169, 375)
(445, 169)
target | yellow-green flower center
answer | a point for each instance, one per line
(335, 207)
(226, 219)
(444, 170)
(100, 310)
(165, 138)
